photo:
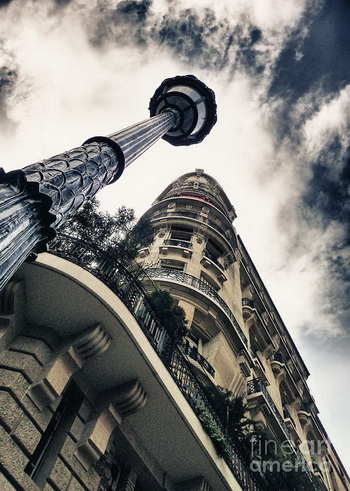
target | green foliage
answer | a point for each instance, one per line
(280, 468)
(119, 234)
(232, 412)
(276, 470)
(171, 316)
(213, 429)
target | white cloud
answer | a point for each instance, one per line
(331, 120)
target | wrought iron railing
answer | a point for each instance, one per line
(198, 400)
(196, 216)
(192, 352)
(255, 385)
(178, 243)
(171, 274)
(132, 293)
(212, 258)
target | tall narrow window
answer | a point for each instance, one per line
(52, 440)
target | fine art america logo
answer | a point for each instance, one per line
(270, 456)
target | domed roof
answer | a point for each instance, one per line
(200, 185)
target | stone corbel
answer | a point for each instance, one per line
(90, 342)
(245, 364)
(200, 237)
(229, 259)
(55, 378)
(269, 350)
(67, 360)
(250, 318)
(12, 307)
(112, 405)
(280, 376)
(238, 254)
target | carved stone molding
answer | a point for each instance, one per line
(129, 397)
(54, 380)
(111, 406)
(96, 435)
(74, 351)
(91, 342)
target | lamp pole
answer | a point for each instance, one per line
(37, 198)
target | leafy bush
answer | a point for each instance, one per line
(120, 234)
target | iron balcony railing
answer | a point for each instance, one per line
(128, 288)
(178, 243)
(255, 385)
(212, 258)
(173, 275)
(192, 352)
(195, 216)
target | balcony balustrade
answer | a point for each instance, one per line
(192, 281)
(280, 328)
(195, 216)
(178, 243)
(255, 386)
(192, 352)
(213, 259)
(126, 286)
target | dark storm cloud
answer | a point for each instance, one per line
(328, 189)
(310, 73)
(198, 38)
(136, 11)
(315, 66)
(126, 24)
(322, 57)
(209, 42)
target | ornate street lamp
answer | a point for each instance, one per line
(35, 199)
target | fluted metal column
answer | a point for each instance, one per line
(137, 138)
(35, 199)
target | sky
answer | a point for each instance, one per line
(72, 69)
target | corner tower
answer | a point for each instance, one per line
(194, 256)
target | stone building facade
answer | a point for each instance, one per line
(96, 394)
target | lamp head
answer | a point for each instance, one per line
(193, 104)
